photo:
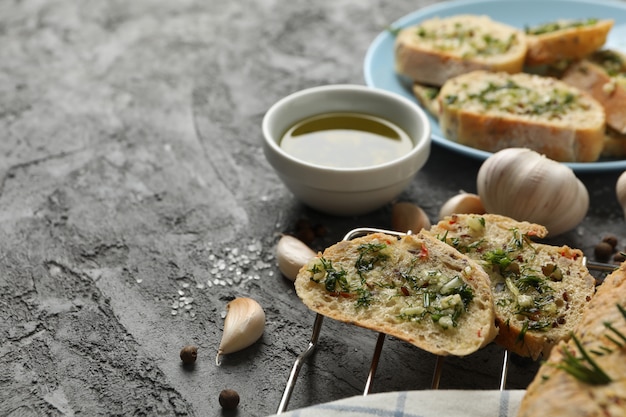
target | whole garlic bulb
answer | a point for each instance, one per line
(526, 186)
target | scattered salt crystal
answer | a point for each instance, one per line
(174, 312)
(139, 280)
(185, 285)
(200, 286)
(188, 300)
(188, 306)
(175, 305)
(181, 304)
(181, 292)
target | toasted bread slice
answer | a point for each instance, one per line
(555, 391)
(565, 40)
(441, 48)
(603, 76)
(416, 288)
(539, 290)
(427, 96)
(614, 144)
(493, 111)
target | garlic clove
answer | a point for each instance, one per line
(292, 254)
(527, 186)
(244, 324)
(407, 217)
(620, 190)
(462, 203)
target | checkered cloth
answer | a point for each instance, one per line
(425, 403)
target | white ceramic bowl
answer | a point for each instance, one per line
(346, 191)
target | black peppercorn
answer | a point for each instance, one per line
(603, 251)
(611, 240)
(229, 399)
(188, 354)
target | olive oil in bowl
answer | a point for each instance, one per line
(346, 140)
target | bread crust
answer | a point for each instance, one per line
(571, 133)
(427, 97)
(567, 44)
(399, 274)
(561, 284)
(594, 80)
(556, 392)
(433, 51)
(614, 144)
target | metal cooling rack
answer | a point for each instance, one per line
(319, 319)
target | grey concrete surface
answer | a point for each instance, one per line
(135, 202)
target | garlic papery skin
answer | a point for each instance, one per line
(462, 203)
(292, 254)
(408, 218)
(244, 324)
(527, 186)
(620, 190)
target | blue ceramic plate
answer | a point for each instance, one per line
(379, 60)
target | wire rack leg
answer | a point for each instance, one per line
(437, 372)
(374, 365)
(293, 376)
(505, 369)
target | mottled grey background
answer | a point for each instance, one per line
(135, 202)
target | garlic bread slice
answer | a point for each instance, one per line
(539, 290)
(438, 49)
(493, 111)
(565, 40)
(415, 288)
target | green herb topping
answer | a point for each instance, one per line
(470, 40)
(584, 368)
(425, 294)
(510, 97)
(525, 290)
(559, 25)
